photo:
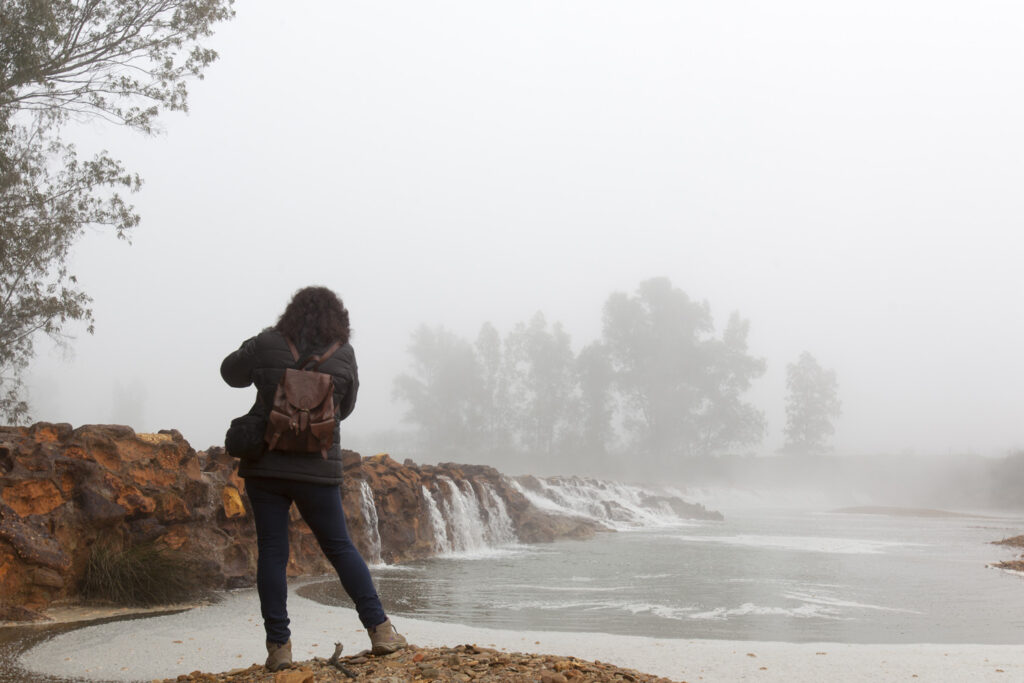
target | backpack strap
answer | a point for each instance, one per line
(291, 347)
(301, 363)
(327, 354)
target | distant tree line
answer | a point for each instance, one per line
(659, 383)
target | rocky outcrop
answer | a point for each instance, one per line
(65, 490)
(1013, 542)
(1016, 565)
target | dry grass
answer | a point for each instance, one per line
(141, 575)
(1013, 541)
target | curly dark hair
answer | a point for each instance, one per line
(314, 318)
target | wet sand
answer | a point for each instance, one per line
(16, 638)
(229, 635)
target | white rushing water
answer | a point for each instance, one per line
(369, 508)
(464, 518)
(499, 524)
(617, 506)
(471, 518)
(441, 543)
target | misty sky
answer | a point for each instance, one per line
(847, 176)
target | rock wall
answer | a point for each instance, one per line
(62, 490)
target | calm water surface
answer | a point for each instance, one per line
(789, 576)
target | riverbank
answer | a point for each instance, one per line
(228, 636)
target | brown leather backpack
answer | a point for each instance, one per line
(303, 414)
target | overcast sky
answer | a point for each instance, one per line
(847, 176)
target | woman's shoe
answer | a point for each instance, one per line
(384, 639)
(279, 655)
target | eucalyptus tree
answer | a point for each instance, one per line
(118, 61)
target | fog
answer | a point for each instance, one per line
(845, 176)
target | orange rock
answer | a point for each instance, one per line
(155, 439)
(7, 563)
(152, 476)
(233, 506)
(172, 508)
(132, 500)
(77, 452)
(133, 450)
(44, 433)
(33, 497)
(300, 676)
(102, 454)
(67, 483)
(192, 469)
(175, 538)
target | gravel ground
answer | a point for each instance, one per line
(462, 663)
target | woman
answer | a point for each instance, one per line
(315, 321)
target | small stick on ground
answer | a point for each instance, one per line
(334, 661)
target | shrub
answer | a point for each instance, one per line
(142, 575)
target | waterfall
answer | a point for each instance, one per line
(464, 517)
(369, 508)
(616, 506)
(474, 514)
(441, 544)
(499, 524)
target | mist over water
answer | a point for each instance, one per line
(844, 178)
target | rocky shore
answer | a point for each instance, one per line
(462, 663)
(1011, 565)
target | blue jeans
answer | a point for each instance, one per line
(320, 507)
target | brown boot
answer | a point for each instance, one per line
(384, 639)
(279, 655)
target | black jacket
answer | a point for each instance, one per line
(262, 360)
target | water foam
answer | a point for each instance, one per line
(569, 589)
(634, 608)
(621, 507)
(804, 611)
(837, 602)
(815, 544)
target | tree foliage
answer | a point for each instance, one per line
(812, 405)
(120, 61)
(657, 383)
(540, 380)
(681, 387)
